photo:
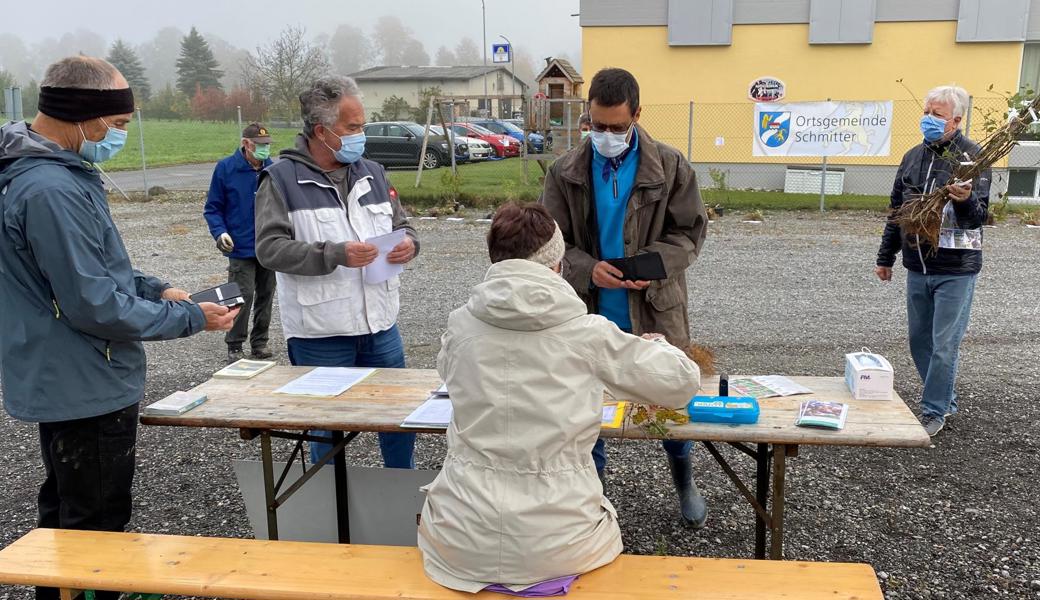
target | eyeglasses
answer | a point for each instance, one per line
(600, 127)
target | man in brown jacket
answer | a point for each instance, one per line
(618, 194)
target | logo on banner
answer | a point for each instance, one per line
(774, 128)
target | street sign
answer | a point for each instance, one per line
(501, 53)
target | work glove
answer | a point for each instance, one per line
(224, 243)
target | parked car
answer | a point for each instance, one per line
(478, 148)
(535, 141)
(503, 145)
(399, 143)
(547, 136)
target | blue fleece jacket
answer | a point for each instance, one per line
(73, 312)
(230, 203)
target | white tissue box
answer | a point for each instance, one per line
(868, 376)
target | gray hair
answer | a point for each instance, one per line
(955, 96)
(320, 102)
(82, 72)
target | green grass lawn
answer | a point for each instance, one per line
(482, 185)
(182, 142)
(491, 183)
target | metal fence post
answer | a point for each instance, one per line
(823, 180)
(16, 104)
(239, 110)
(689, 136)
(144, 166)
(967, 117)
(823, 183)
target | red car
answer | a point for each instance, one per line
(503, 145)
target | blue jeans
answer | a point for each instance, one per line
(938, 308)
(384, 349)
(675, 448)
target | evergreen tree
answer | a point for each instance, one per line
(125, 59)
(196, 67)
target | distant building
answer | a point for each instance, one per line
(379, 83)
(704, 54)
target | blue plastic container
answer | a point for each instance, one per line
(723, 409)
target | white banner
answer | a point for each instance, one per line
(823, 128)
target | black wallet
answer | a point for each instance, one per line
(647, 266)
(228, 294)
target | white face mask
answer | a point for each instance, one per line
(610, 144)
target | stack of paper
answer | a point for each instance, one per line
(435, 413)
(175, 404)
(325, 382)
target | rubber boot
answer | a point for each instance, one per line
(691, 504)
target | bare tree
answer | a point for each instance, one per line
(468, 53)
(283, 68)
(351, 51)
(396, 44)
(445, 57)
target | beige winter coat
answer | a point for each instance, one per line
(517, 500)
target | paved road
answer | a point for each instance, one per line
(181, 177)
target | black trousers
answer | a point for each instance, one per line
(90, 470)
(257, 284)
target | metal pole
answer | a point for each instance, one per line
(144, 165)
(455, 170)
(567, 107)
(16, 104)
(823, 183)
(689, 136)
(967, 117)
(483, 20)
(823, 179)
(426, 138)
(239, 109)
(512, 72)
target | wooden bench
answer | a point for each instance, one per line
(277, 570)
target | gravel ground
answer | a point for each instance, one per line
(788, 296)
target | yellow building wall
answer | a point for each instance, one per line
(716, 78)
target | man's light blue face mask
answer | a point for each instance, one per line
(933, 128)
(109, 146)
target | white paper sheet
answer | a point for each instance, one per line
(324, 381)
(434, 413)
(381, 270)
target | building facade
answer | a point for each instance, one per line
(410, 83)
(705, 53)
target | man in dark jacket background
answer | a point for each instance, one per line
(73, 312)
(230, 214)
(618, 194)
(940, 282)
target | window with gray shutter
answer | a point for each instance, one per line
(842, 21)
(992, 20)
(700, 22)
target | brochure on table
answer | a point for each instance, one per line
(817, 413)
(765, 386)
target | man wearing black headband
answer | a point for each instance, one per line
(73, 312)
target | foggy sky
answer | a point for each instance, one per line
(542, 27)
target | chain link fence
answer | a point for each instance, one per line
(505, 159)
(718, 139)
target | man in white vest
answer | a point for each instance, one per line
(315, 209)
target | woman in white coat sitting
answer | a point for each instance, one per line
(518, 501)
